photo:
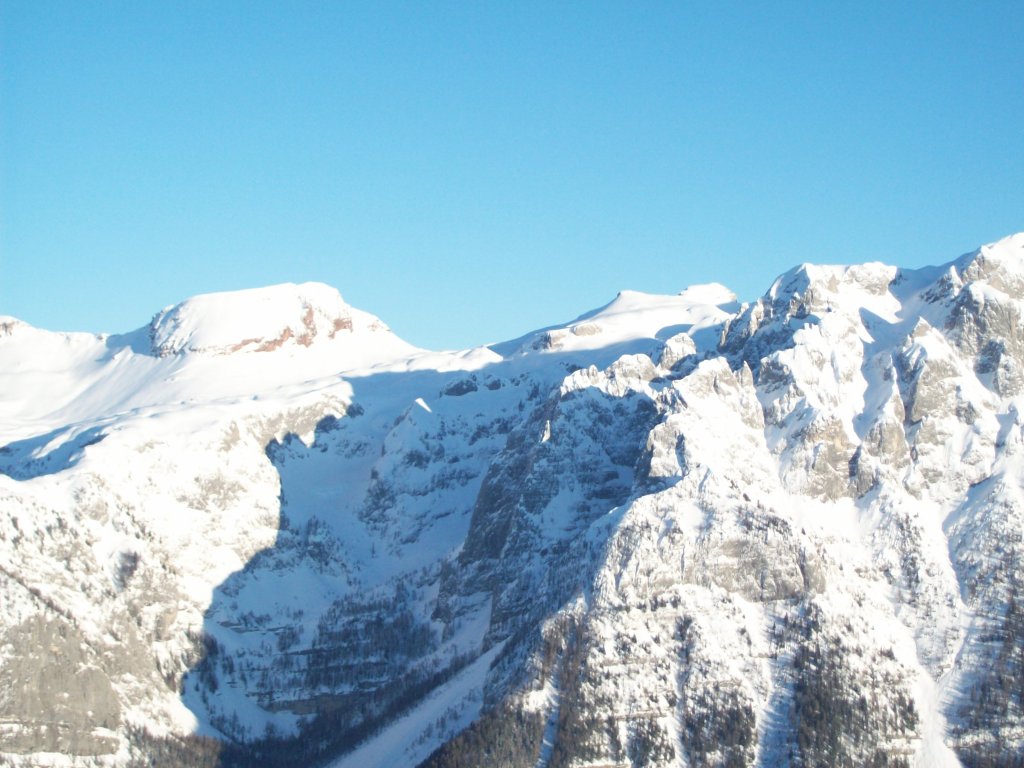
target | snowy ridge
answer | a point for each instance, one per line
(676, 531)
(631, 318)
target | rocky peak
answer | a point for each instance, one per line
(1000, 265)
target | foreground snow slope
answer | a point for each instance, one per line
(263, 530)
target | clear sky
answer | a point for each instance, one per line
(470, 171)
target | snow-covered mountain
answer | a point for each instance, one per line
(676, 531)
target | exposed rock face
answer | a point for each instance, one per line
(55, 688)
(784, 534)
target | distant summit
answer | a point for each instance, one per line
(258, 320)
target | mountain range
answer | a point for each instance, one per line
(263, 530)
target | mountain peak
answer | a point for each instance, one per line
(257, 320)
(999, 264)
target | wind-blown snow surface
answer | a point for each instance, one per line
(263, 530)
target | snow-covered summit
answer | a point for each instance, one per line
(258, 320)
(1000, 265)
(708, 294)
(1009, 251)
(630, 317)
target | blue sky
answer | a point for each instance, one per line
(469, 171)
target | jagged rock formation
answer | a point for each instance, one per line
(676, 531)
